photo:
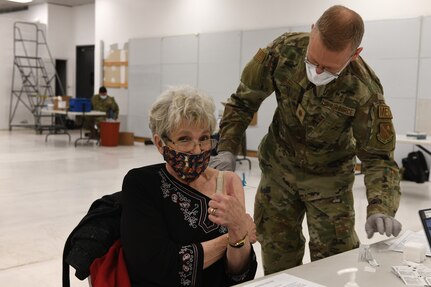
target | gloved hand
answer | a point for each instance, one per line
(382, 224)
(225, 160)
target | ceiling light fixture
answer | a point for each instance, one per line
(21, 1)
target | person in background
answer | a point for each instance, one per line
(104, 103)
(184, 223)
(330, 110)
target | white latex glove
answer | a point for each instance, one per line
(382, 224)
(225, 160)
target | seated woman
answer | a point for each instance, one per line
(183, 223)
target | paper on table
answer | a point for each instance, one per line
(283, 280)
(417, 275)
(397, 244)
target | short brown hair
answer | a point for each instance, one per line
(339, 27)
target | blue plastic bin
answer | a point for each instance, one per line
(79, 105)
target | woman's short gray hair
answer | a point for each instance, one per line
(178, 105)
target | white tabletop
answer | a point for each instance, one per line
(412, 140)
(324, 271)
(63, 112)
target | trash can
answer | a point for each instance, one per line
(109, 133)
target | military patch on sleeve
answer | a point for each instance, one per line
(260, 56)
(385, 134)
(384, 112)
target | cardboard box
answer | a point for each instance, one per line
(63, 104)
(126, 138)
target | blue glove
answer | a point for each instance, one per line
(382, 224)
(225, 160)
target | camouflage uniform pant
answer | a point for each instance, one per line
(279, 211)
(90, 121)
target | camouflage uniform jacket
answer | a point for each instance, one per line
(105, 105)
(317, 130)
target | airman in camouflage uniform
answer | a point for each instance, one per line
(308, 156)
(104, 103)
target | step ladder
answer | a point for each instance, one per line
(33, 78)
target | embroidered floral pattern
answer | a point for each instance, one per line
(188, 265)
(166, 187)
(190, 210)
(193, 206)
(222, 229)
(241, 277)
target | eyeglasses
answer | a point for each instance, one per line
(189, 145)
(316, 66)
(325, 70)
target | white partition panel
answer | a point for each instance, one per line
(424, 91)
(179, 60)
(391, 48)
(396, 82)
(214, 61)
(423, 114)
(423, 119)
(302, 28)
(401, 108)
(179, 74)
(425, 63)
(426, 38)
(389, 39)
(254, 39)
(219, 60)
(144, 82)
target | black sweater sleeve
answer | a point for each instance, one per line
(152, 257)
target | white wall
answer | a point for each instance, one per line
(61, 41)
(6, 64)
(35, 13)
(66, 27)
(69, 27)
(119, 21)
(84, 24)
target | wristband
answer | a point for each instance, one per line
(239, 243)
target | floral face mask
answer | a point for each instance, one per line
(187, 166)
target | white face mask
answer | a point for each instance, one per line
(319, 79)
(323, 78)
(103, 97)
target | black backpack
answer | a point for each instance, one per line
(415, 167)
